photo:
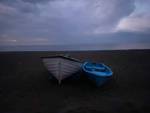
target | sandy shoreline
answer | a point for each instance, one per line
(25, 88)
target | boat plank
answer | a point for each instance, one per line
(61, 67)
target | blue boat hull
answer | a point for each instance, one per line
(98, 80)
(97, 72)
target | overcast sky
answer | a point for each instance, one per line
(123, 23)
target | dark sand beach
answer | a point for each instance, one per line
(25, 88)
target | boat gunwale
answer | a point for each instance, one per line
(90, 72)
(64, 57)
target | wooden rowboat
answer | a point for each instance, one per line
(62, 67)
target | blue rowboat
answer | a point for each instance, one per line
(97, 72)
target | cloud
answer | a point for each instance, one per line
(60, 22)
(63, 18)
(88, 16)
(138, 20)
(134, 24)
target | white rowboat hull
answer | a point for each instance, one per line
(61, 67)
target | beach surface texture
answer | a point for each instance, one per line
(25, 87)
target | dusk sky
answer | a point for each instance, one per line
(122, 23)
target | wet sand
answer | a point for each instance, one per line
(25, 88)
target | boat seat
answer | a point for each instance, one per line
(95, 68)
